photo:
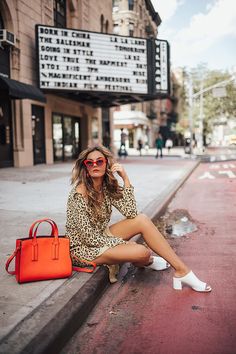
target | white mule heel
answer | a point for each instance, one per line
(158, 263)
(191, 280)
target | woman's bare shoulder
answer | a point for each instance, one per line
(81, 189)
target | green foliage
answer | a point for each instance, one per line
(213, 107)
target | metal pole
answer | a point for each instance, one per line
(201, 117)
(191, 114)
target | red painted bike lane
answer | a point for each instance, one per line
(143, 314)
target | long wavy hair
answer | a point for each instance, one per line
(81, 175)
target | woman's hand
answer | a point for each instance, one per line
(117, 167)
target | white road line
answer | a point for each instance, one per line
(230, 174)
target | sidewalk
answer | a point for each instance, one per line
(27, 194)
(177, 151)
(211, 154)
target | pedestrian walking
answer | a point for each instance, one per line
(95, 190)
(169, 145)
(159, 145)
(122, 150)
(140, 146)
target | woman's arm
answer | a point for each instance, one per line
(127, 204)
(117, 167)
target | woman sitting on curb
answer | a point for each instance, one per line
(89, 208)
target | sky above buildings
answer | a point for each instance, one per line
(199, 31)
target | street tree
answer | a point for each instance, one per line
(214, 108)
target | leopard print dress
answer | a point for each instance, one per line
(89, 236)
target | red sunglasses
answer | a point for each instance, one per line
(99, 162)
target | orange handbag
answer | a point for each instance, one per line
(41, 257)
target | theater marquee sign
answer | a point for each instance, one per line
(81, 61)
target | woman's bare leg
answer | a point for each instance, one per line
(142, 224)
(139, 255)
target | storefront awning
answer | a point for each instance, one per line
(17, 90)
(99, 99)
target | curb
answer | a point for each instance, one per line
(67, 321)
(57, 332)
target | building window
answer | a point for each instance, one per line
(59, 11)
(131, 29)
(1, 22)
(115, 6)
(131, 5)
(4, 61)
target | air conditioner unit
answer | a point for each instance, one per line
(7, 37)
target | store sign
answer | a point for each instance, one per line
(219, 92)
(162, 66)
(87, 61)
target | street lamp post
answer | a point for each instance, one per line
(201, 117)
(191, 114)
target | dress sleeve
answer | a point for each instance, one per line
(79, 226)
(127, 204)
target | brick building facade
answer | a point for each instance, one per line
(37, 127)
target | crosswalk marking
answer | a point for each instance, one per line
(230, 174)
(215, 158)
(224, 165)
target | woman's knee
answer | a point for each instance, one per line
(142, 219)
(143, 254)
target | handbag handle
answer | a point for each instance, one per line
(83, 269)
(54, 234)
(10, 259)
(38, 222)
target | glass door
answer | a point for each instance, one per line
(57, 130)
(76, 138)
(66, 137)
